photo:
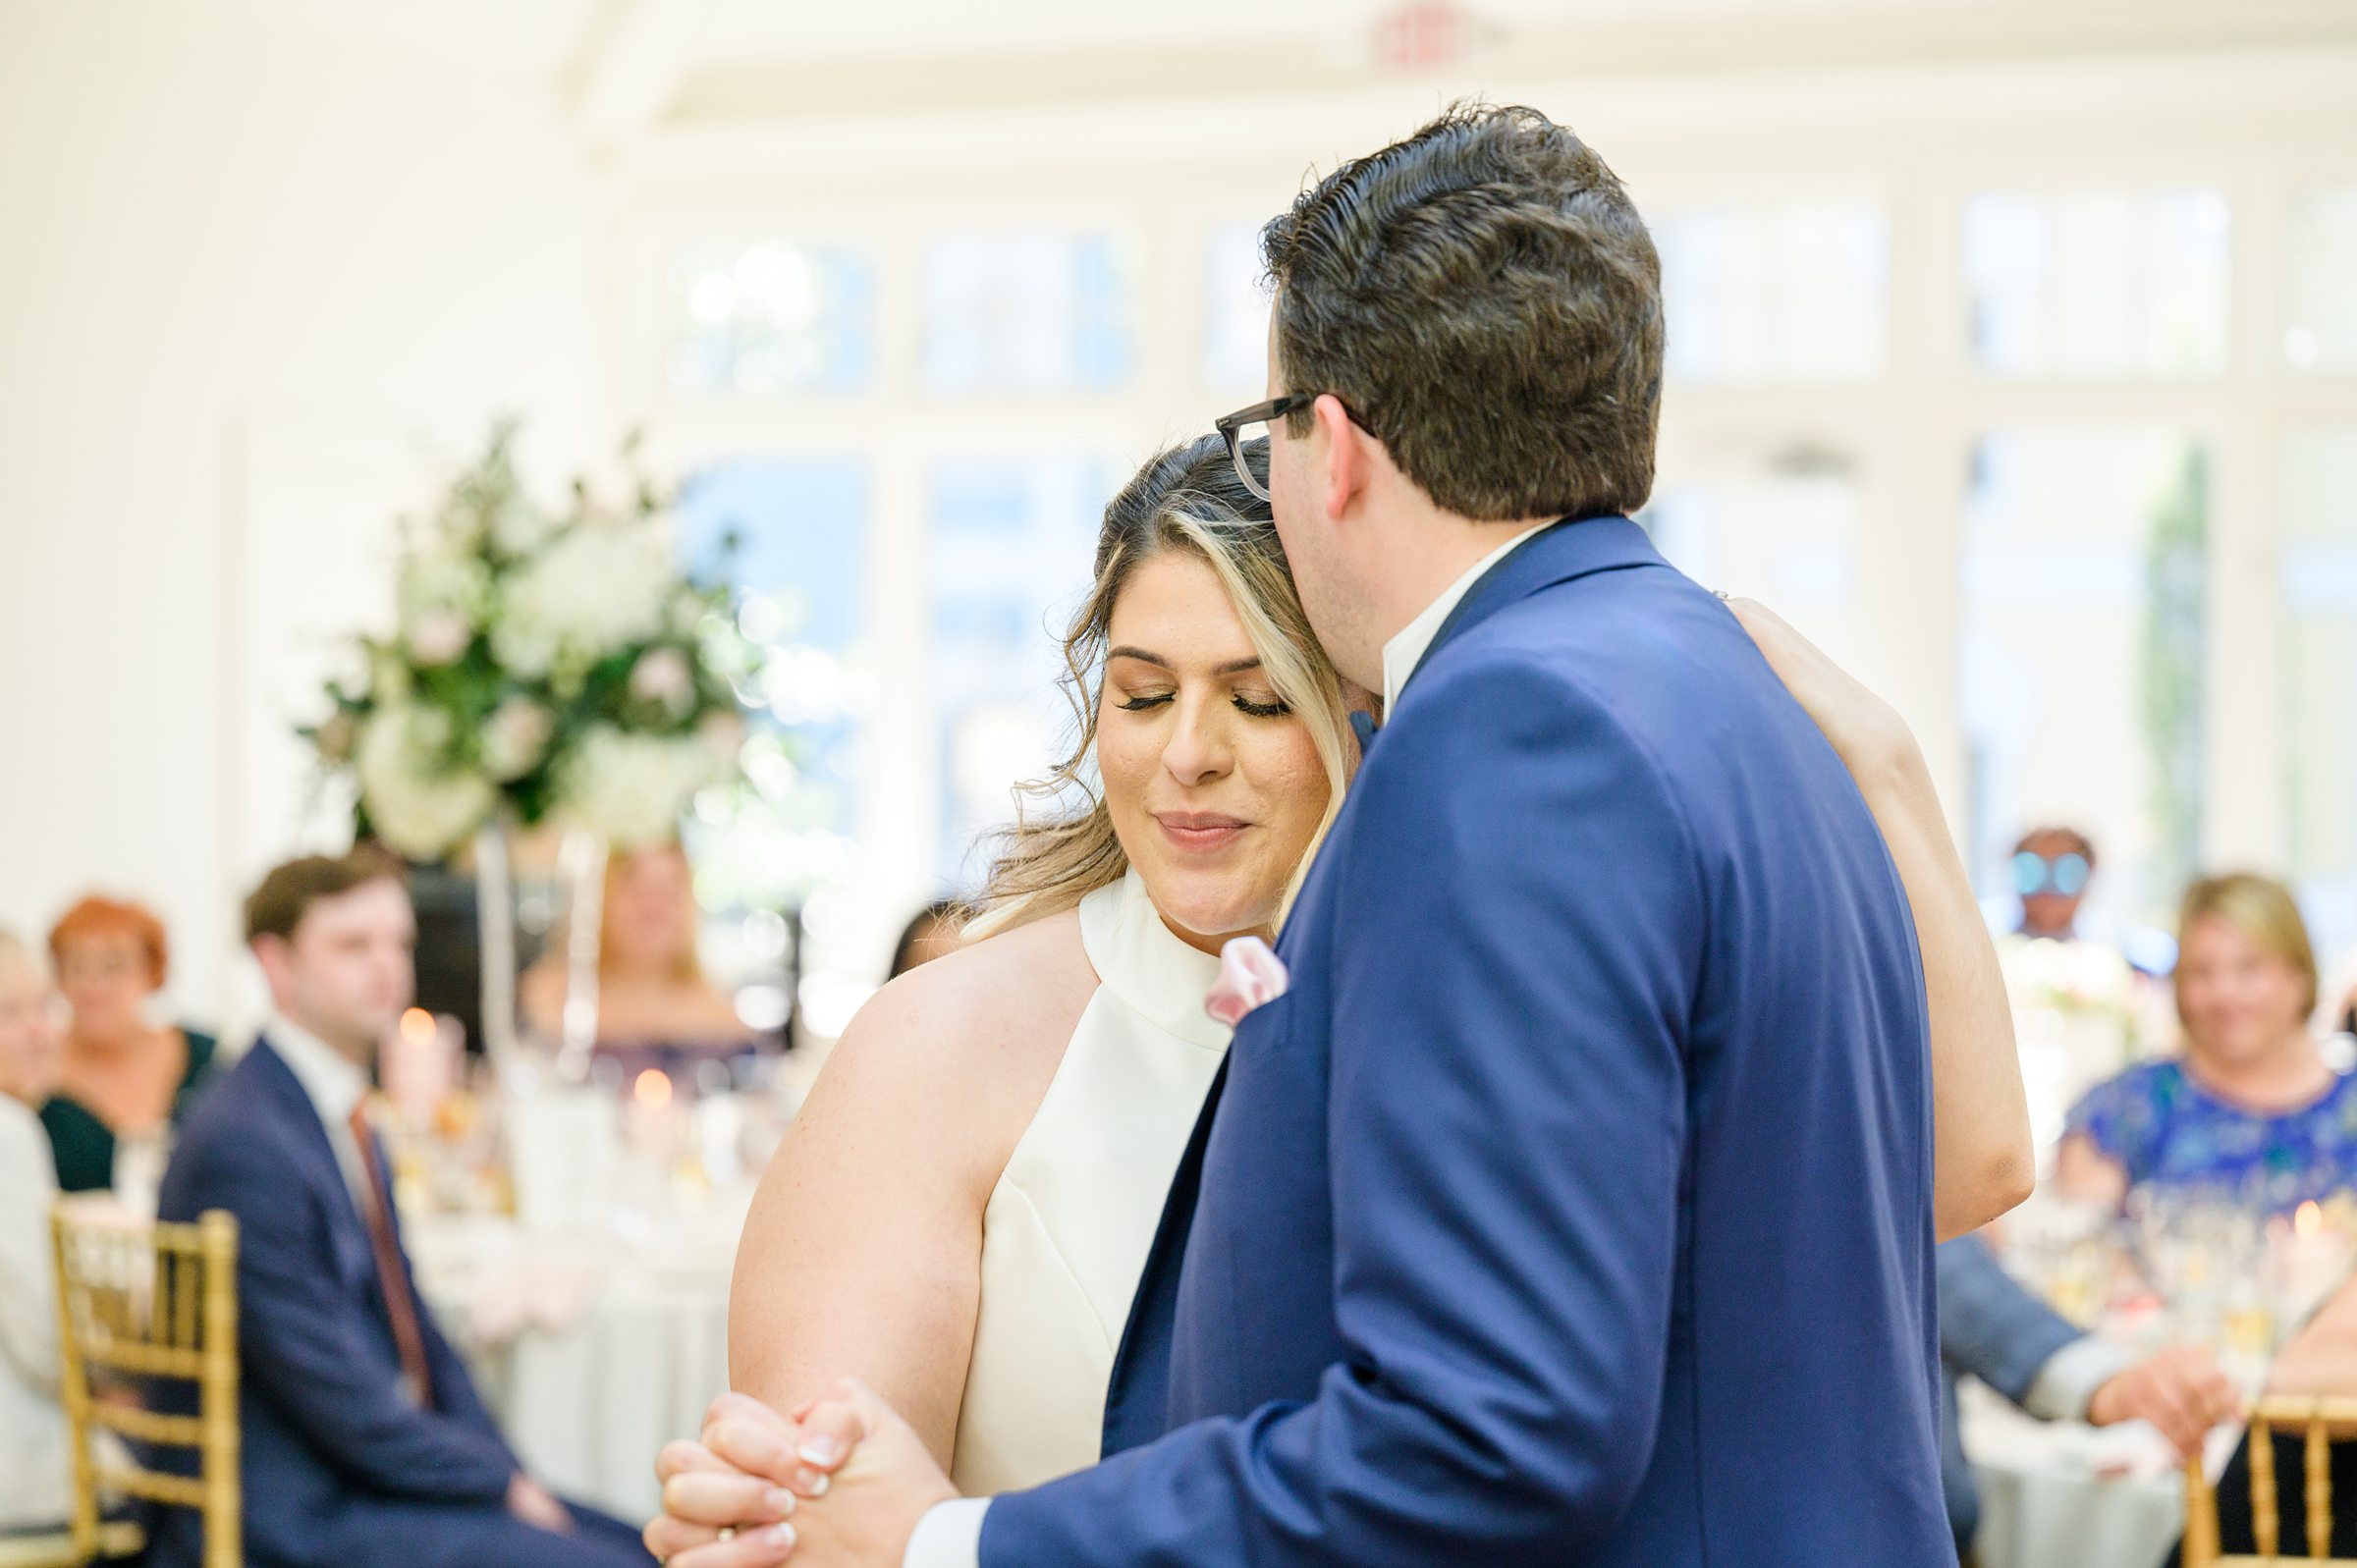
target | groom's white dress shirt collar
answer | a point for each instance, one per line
(335, 1083)
(1404, 652)
(950, 1536)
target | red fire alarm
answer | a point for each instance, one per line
(1425, 36)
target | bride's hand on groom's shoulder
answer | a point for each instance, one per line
(1866, 732)
(729, 1497)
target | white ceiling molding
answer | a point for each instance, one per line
(638, 55)
(2010, 101)
(750, 72)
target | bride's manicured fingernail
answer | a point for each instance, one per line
(811, 1482)
(780, 1500)
(778, 1537)
(821, 1449)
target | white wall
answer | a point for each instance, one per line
(251, 272)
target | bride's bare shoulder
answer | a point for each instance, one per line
(994, 1014)
(998, 988)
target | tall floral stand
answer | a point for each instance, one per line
(495, 925)
(582, 876)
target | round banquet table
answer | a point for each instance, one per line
(591, 1351)
(2064, 1495)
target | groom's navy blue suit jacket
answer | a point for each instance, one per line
(1573, 1205)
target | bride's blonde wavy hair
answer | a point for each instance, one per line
(1188, 499)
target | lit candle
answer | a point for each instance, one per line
(2314, 1257)
(651, 1121)
(421, 1065)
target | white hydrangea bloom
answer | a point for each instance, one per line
(590, 593)
(444, 576)
(518, 527)
(422, 807)
(627, 788)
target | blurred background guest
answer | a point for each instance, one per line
(2051, 868)
(1994, 1329)
(126, 1079)
(363, 1439)
(34, 1486)
(2252, 1111)
(930, 933)
(655, 1005)
(2086, 1000)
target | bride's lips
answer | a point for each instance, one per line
(1201, 831)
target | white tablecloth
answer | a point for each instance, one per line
(593, 1352)
(2062, 1495)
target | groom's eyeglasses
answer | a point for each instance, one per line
(1252, 425)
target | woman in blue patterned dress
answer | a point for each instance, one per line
(2251, 1112)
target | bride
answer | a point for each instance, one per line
(961, 1210)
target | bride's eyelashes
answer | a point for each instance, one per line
(1274, 708)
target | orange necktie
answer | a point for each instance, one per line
(399, 1306)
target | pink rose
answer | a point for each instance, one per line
(439, 637)
(1250, 976)
(662, 676)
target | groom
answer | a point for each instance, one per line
(1573, 1203)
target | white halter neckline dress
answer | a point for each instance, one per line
(1067, 1228)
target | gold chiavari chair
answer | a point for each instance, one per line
(155, 1303)
(2321, 1420)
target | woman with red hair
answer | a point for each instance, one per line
(126, 1079)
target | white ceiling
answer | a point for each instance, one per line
(632, 67)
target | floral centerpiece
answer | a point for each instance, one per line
(546, 664)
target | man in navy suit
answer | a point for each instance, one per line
(364, 1443)
(1573, 1205)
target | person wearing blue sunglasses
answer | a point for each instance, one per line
(2051, 867)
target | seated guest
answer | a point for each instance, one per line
(930, 933)
(362, 1440)
(35, 1489)
(127, 1079)
(1993, 1328)
(655, 1008)
(2252, 1111)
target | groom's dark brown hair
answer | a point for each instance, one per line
(1485, 300)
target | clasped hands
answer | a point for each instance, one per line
(839, 1483)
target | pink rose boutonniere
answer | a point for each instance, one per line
(1250, 975)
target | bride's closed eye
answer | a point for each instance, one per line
(1273, 708)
